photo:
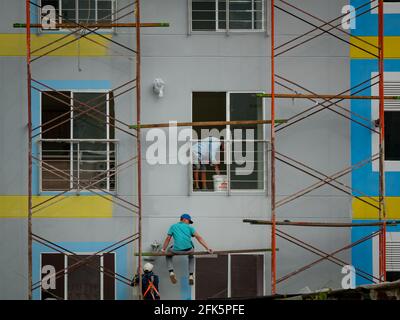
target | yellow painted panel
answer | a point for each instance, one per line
(60, 207)
(89, 46)
(391, 44)
(361, 210)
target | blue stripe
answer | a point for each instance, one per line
(367, 24)
(364, 179)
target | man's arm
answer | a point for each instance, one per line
(166, 242)
(202, 242)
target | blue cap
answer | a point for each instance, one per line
(188, 217)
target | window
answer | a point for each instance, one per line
(85, 282)
(77, 150)
(241, 157)
(213, 15)
(82, 11)
(392, 122)
(392, 256)
(229, 276)
(390, 6)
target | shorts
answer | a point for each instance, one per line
(199, 166)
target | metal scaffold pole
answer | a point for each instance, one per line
(273, 186)
(139, 147)
(382, 206)
(29, 98)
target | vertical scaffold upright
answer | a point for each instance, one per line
(91, 109)
(327, 102)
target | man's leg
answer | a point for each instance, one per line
(196, 177)
(191, 268)
(170, 266)
(204, 178)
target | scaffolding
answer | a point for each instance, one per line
(90, 108)
(327, 102)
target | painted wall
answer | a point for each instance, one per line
(365, 181)
(187, 63)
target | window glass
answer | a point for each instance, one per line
(211, 277)
(213, 14)
(204, 15)
(74, 164)
(56, 122)
(247, 275)
(392, 135)
(247, 168)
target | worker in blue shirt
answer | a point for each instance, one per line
(182, 233)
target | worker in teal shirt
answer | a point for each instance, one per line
(182, 233)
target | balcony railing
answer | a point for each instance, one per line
(243, 167)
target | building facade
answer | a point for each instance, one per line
(211, 70)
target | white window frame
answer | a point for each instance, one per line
(72, 135)
(390, 165)
(390, 237)
(227, 151)
(388, 7)
(227, 29)
(101, 274)
(229, 272)
(103, 30)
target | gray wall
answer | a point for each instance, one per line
(187, 63)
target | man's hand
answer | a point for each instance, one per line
(210, 251)
(163, 250)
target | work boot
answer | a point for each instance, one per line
(191, 280)
(172, 277)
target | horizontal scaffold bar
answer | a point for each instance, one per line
(204, 253)
(97, 25)
(321, 224)
(323, 96)
(204, 123)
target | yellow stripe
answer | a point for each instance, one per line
(15, 45)
(391, 44)
(60, 207)
(362, 210)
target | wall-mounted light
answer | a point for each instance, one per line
(158, 87)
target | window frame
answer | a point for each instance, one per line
(227, 150)
(227, 29)
(66, 254)
(390, 165)
(108, 126)
(229, 273)
(64, 30)
(388, 7)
